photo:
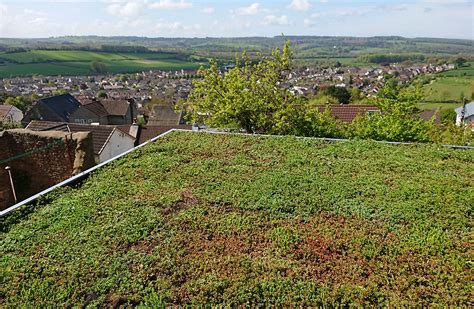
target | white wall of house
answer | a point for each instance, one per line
(467, 120)
(468, 114)
(118, 143)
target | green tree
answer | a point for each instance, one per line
(101, 94)
(460, 61)
(98, 67)
(399, 118)
(20, 102)
(249, 96)
(340, 93)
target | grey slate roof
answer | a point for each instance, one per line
(469, 110)
(62, 105)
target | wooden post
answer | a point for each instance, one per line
(8, 169)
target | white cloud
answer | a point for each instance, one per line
(208, 10)
(311, 21)
(126, 9)
(300, 5)
(252, 9)
(272, 20)
(171, 4)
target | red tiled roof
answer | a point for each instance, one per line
(347, 113)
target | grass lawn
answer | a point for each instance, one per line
(441, 106)
(198, 218)
(73, 62)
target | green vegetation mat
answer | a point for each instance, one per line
(220, 219)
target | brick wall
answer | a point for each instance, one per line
(49, 159)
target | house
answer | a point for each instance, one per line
(10, 114)
(165, 115)
(349, 112)
(92, 112)
(108, 112)
(120, 111)
(57, 108)
(465, 114)
(108, 141)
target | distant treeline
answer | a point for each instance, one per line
(383, 58)
(102, 48)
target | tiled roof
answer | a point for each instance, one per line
(84, 100)
(37, 125)
(4, 111)
(100, 134)
(347, 113)
(116, 107)
(63, 105)
(97, 108)
(164, 115)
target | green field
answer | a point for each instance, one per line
(448, 87)
(72, 62)
(197, 218)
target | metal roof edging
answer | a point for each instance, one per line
(326, 139)
(80, 175)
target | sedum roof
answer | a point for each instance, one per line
(198, 218)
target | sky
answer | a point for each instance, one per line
(237, 18)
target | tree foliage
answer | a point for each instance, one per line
(249, 96)
(398, 120)
(340, 93)
(20, 102)
(98, 67)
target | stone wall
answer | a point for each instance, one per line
(39, 160)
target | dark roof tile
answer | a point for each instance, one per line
(116, 107)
